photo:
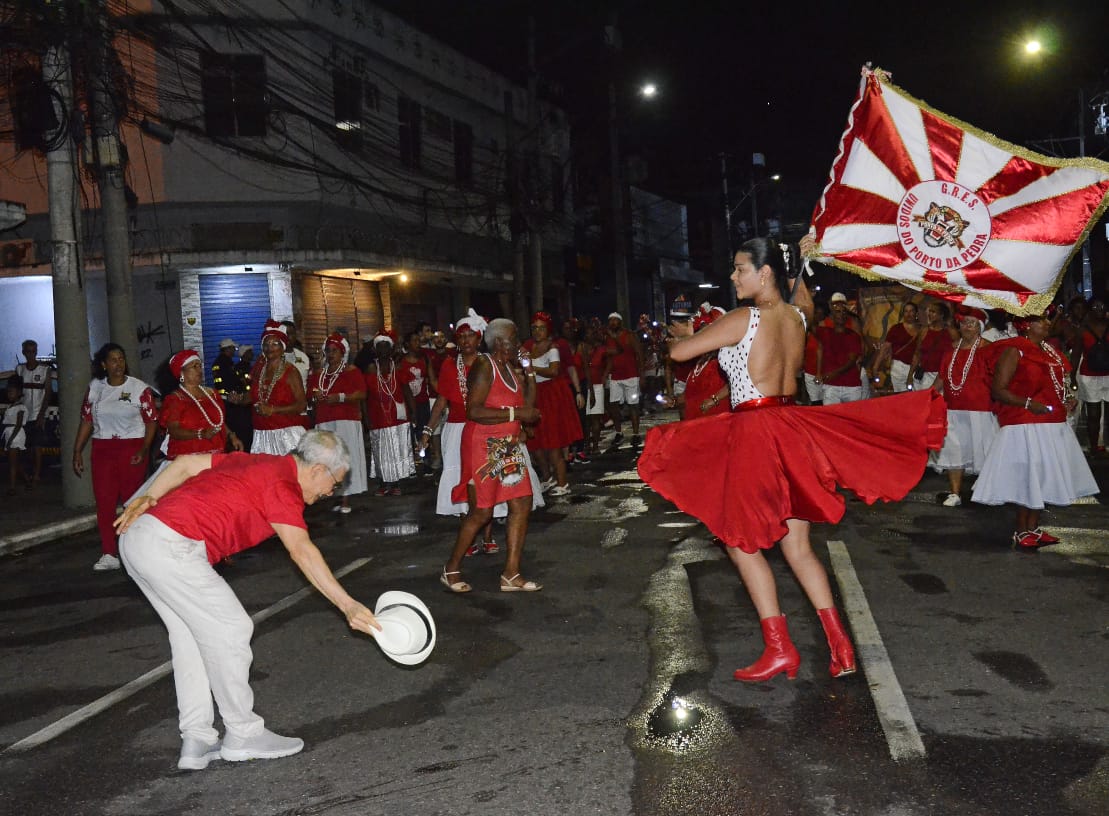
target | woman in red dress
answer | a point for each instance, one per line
(706, 388)
(277, 396)
(499, 397)
(193, 415)
(389, 406)
(1035, 459)
(560, 426)
(899, 348)
(783, 463)
(337, 391)
(936, 339)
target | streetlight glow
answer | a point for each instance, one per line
(1033, 47)
(649, 90)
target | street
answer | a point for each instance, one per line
(982, 690)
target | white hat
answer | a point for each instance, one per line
(244, 349)
(407, 633)
(838, 297)
(227, 343)
(616, 315)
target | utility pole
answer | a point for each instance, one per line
(113, 201)
(616, 203)
(535, 237)
(1087, 270)
(70, 309)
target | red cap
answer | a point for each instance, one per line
(181, 359)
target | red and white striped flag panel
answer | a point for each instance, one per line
(925, 200)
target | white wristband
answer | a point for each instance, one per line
(1027, 403)
(511, 414)
(342, 398)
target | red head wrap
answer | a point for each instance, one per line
(336, 340)
(181, 359)
(969, 311)
(544, 318)
(387, 335)
(274, 330)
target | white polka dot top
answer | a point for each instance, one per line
(733, 361)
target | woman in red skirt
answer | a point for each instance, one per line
(781, 463)
(560, 425)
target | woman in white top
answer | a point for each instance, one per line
(560, 425)
(120, 417)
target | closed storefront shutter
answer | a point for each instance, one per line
(328, 304)
(235, 306)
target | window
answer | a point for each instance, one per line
(408, 118)
(463, 154)
(438, 125)
(347, 90)
(233, 87)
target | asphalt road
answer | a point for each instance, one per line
(610, 692)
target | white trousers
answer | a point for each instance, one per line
(209, 631)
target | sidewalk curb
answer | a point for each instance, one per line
(10, 545)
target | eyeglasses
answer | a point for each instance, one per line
(335, 483)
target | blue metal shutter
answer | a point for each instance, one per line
(235, 306)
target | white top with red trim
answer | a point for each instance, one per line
(119, 411)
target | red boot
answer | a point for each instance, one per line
(843, 654)
(779, 656)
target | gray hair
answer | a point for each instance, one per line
(499, 328)
(318, 447)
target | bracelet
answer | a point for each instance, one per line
(425, 432)
(1027, 403)
(343, 397)
(511, 413)
(198, 433)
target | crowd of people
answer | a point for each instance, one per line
(791, 388)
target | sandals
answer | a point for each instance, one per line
(510, 585)
(457, 587)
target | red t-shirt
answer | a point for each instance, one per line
(902, 344)
(566, 357)
(413, 375)
(811, 346)
(932, 347)
(597, 360)
(350, 381)
(450, 388)
(1088, 340)
(702, 383)
(624, 363)
(974, 395)
(838, 349)
(234, 504)
(177, 407)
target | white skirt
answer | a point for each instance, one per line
(1033, 465)
(391, 449)
(279, 442)
(968, 440)
(350, 431)
(451, 445)
(1093, 388)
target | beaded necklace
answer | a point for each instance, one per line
(1056, 382)
(265, 387)
(327, 380)
(697, 369)
(956, 387)
(462, 386)
(204, 392)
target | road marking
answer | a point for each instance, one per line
(77, 717)
(893, 709)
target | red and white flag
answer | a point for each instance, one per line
(920, 198)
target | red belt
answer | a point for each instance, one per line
(764, 402)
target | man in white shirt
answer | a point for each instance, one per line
(38, 381)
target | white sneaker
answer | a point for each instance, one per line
(547, 485)
(266, 745)
(952, 500)
(106, 562)
(559, 490)
(195, 755)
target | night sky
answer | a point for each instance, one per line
(773, 78)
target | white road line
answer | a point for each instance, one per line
(77, 717)
(893, 710)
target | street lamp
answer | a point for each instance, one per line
(648, 90)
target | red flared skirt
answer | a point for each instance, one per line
(743, 474)
(559, 424)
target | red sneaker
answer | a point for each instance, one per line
(490, 547)
(1045, 537)
(473, 549)
(1027, 541)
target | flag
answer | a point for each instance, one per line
(920, 198)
